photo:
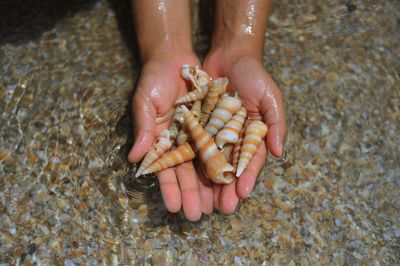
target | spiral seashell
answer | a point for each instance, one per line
(253, 136)
(196, 109)
(182, 136)
(176, 124)
(214, 161)
(236, 149)
(227, 152)
(217, 88)
(157, 150)
(224, 111)
(230, 132)
(198, 77)
(200, 81)
(183, 133)
(177, 156)
(229, 177)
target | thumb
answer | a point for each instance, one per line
(274, 115)
(144, 117)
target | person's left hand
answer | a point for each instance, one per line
(262, 99)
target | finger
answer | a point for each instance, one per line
(229, 198)
(144, 116)
(247, 179)
(170, 190)
(206, 193)
(191, 200)
(216, 194)
(273, 112)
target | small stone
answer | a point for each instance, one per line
(351, 7)
(68, 262)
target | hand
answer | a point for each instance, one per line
(159, 86)
(262, 99)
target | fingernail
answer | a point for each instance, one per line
(280, 149)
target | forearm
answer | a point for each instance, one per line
(240, 26)
(162, 26)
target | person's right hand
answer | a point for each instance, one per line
(160, 84)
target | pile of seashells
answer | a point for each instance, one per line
(215, 127)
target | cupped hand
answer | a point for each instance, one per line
(263, 100)
(160, 84)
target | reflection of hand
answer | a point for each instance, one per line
(262, 99)
(159, 86)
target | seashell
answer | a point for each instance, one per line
(157, 150)
(183, 133)
(200, 81)
(253, 136)
(196, 109)
(182, 137)
(236, 149)
(224, 111)
(227, 152)
(176, 124)
(198, 77)
(177, 156)
(217, 88)
(229, 177)
(230, 132)
(214, 161)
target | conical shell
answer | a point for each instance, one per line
(227, 152)
(229, 177)
(214, 161)
(183, 133)
(200, 81)
(217, 88)
(157, 150)
(224, 111)
(230, 132)
(176, 124)
(177, 156)
(236, 149)
(182, 136)
(253, 136)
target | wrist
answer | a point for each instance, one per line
(232, 49)
(163, 48)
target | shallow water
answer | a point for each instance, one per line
(68, 195)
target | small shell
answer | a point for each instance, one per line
(230, 132)
(157, 150)
(229, 177)
(217, 88)
(182, 136)
(227, 152)
(177, 156)
(176, 124)
(253, 136)
(196, 109)
(200, 81)
(183, 133)
(224, 111)
(214, 161)
(236, 149)
(198, 77)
